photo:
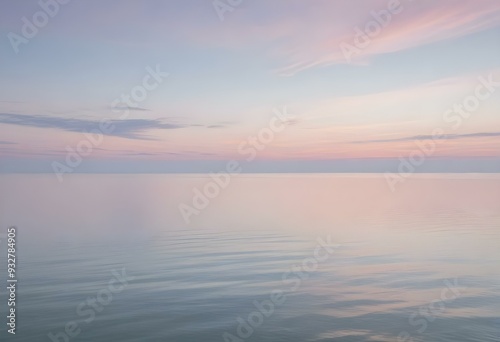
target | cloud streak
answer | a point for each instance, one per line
(135, 109)
(431, 137)
(417, 25)
(129, 129)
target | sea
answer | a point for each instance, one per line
(256, 257)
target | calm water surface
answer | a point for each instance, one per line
(421, 263)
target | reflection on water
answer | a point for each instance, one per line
(419, 264)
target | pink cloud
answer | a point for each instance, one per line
(298, 35)
(417, 24)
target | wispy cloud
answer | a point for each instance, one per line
(418, 24)
(130, 129)
(134, 109)
(300, 35)
(2, 142)
(431, 137)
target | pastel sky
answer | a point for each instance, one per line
(229, 68)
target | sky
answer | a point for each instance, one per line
(295, 86)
